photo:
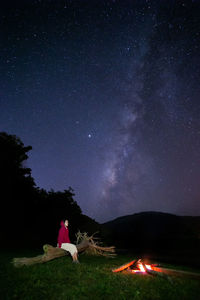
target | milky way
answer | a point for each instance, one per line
(107, 93)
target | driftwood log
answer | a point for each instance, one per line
(51, 252)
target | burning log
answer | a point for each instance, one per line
(86, 245)
(124, 267)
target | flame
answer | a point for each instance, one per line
(141, 268)
(149, 267)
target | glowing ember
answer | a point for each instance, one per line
(149, 267)
(140, 268)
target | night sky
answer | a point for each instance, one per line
(108, 95)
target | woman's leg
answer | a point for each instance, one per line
(75, 257)
(71, 248)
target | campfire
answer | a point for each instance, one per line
(138, 266)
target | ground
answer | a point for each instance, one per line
(60, 279)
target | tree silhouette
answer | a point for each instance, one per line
(17, 187)
(13, 172)
(29, 215)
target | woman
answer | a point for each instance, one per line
(64, 241)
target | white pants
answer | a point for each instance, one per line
(71, 248)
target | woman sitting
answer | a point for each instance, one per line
(64, 241)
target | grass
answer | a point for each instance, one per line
(60, 279)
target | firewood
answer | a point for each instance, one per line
(123, 267)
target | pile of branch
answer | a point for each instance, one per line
(85, 244)
(94, 247)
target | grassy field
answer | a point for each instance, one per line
(60, 279)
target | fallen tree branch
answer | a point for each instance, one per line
(87, 245)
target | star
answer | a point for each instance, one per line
(134, 111)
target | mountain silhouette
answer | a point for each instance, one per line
(155, 233)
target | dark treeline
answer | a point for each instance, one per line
(30, 216)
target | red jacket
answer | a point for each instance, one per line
(63, 235)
